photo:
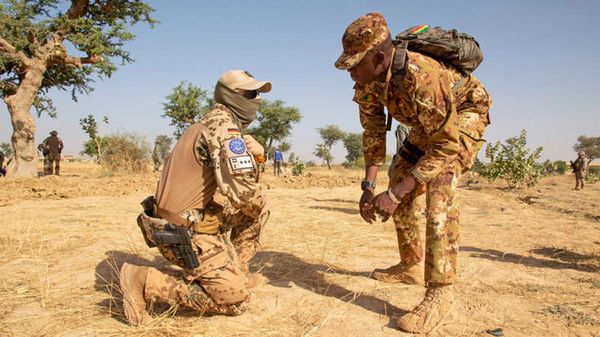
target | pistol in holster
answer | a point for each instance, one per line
(179, 241)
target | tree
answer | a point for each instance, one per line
(186, 105)
(34, 36)
(354, 147)
(589, 145)
(330, 134)
(275, 123)
(89, 126)
(284, 146)
(322, 152)
(513, 162)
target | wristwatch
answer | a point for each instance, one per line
(366, 184)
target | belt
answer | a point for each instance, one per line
(410, 152)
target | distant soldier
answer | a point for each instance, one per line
(162, 145)
(190, 228)
(277, 161)
(44, 152)
(53, 146)
(2, 170)
(580, 167)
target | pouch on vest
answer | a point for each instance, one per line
(211, 220)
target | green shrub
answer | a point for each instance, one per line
(513, 162)
(125, 152)
(298, 167)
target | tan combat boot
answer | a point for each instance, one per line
(133, 280)
(401, 273)
(430, 313)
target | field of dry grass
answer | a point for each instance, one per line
(529, 260)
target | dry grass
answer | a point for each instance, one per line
(528, 267)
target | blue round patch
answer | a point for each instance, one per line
(237, 146)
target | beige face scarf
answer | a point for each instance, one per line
(243, 108)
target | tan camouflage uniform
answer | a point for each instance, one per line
(219, 284)
(53, 146)
(447, 127)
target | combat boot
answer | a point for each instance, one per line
(401, 273)
(133, 280)
(430, 313)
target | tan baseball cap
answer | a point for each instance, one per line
(241, 79)
(361, 36)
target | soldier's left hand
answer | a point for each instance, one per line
(384, 206)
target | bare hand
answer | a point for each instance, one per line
(365, 207)
(384, 206)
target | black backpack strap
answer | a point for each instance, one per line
(397, 68)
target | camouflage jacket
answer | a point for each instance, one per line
(422, 98)
(235, 168)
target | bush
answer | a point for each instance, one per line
(556, 167)
(125, 152)
(298, 167)
(513, 162)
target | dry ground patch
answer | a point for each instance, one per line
(529, 262)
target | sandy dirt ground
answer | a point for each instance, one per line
(529, 261)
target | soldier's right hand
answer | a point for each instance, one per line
(364, 206)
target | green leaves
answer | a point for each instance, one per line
(513, 162)
(275, 122)
(40, 32)
(185, 106)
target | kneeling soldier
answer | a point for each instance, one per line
(186, 223)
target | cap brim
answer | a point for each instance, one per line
(252, 84)
(345, 61)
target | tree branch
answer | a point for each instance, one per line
(78, 8)
(79, 61)
(9, 50)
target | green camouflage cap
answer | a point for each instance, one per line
(361, 35)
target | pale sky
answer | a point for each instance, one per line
(541, 66)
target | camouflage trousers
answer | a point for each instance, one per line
(579, 179)
(219, 284)
(442, 225)
(52, 160)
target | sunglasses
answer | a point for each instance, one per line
(250, 94)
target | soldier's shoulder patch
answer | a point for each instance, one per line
(237, 145)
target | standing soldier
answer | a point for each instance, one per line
(277, 161)
(53, 147)
(2, 170)
(447, 113)
(162, 144)
(189, 227)
(580, 167)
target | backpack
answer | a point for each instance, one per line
(449, 46)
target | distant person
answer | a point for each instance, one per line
(447, 113)
(277, 161)
(580, 167)
(2, 169)
(44, 152)
(162, 145)
(53, 145)
(189, 227)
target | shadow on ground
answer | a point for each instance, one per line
(282, 268)
(558, 258)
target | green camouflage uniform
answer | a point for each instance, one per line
(447, 127)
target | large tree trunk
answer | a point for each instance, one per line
(19, 105)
